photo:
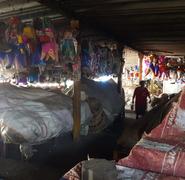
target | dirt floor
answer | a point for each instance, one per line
(53, 159)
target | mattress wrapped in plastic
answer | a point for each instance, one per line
(34, 115)
(163, 150)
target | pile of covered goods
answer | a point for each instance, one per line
(158, 155)
(31, 116)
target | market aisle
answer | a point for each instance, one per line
(130, 134)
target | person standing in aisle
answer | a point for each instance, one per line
(140, 96)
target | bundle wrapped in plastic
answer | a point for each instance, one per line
(33, 116)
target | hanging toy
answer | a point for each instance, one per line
(35, 34)
(153, 66)
(49, 46)
(146, 63)
(30, 41)
(163, 69)
(14, 38)
(68, 47)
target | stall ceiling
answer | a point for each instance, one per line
(146, 25)
(156, 26)
(25, 9)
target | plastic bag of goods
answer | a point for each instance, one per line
(163, 150)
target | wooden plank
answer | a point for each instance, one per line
(76, 110)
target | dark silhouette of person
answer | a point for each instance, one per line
(140, 96)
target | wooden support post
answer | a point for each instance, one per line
(77, 89)
(120, 78)
(122, 63)
(76, 110)
(140, 65)
(120, 91)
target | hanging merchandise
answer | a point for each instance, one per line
(93, 59)
(163, 69)
(46, 42)
(153, 67)
(29, 39)
(46, 51)
(85, 53)
(100, 58)
(103, 60)
(36, 56)
(17, 56)
(69, 49)
(68, 46)
(49, 46)
(145, 65)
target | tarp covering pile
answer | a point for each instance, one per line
(35, 115)
(161, 152)
(107, 94)
(32, 116)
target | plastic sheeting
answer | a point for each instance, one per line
(107, 94)
(31, 116)
(163, 150)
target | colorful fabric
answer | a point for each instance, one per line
(46, 47)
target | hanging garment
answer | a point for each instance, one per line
(68, 49)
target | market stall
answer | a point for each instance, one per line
(163, 74)
(40, 55)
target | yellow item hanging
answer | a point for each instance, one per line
(29, 32)
(19, 39)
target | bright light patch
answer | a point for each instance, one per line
(103, 78)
